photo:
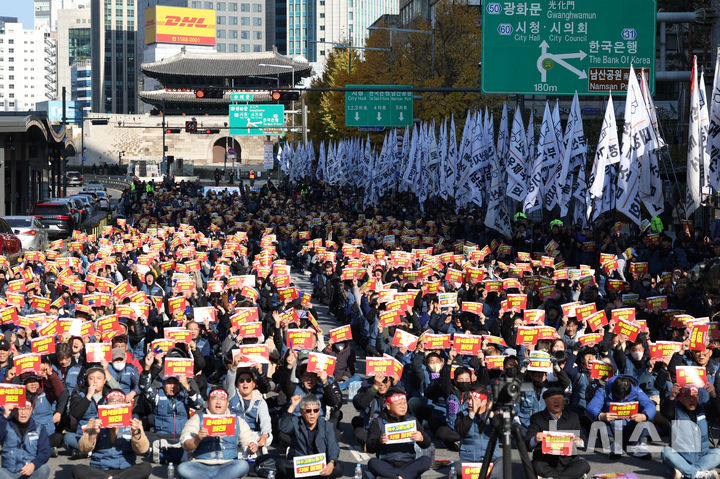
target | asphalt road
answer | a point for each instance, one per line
(351, 454)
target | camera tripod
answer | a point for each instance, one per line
(503, 426)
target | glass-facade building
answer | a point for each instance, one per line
(302, 33)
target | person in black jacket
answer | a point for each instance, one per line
(546, 465)
(396, 460)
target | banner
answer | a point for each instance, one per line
(179, 335)
(624, 410)
(299, 339)
(699, 336)
(43, 345)
(399, 432)
(252, 353)
(404, 339)
(219, 425)
(98, 352)
(601, 370)
(557, 443)
(467, 344)
(319, 362)
(11, 394)
(343, 333)
(250, 330)
(179, 367)
(435, 341)
(662, 349)
(379, 367)
(115, 415)
(690, 376)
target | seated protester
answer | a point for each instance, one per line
(248, 403)
(123, 376)
(43, 393)
(310, 434)
(171, 406)
(474, 428)
(689, 454)
(215, 457)
(584, 386)
(344, 374)
(433, 376)
(83, 406)
(114, 450)
(457, 404)
(25, 444)
(637, 363)
(622, 389)
(65, 369)
(562, 419)
(370, 401)
(324, 387)
(396, 460)
(121, 341)
(6, 362)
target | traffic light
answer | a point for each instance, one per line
(172, 130)
(285, 95)
(190, 126)
(207, 93)
(211, 131)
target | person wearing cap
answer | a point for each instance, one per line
(215, 457)
(84, 403)
(171, 405)
(369, 402)
(555, 417)
(531, 402)
(48, 397)
(475, 428)
(310, 434)
(689, 454)
(25, 444)
(123, 376)
(622, 389)
(396, 460)
(114, 450)
(247, 402)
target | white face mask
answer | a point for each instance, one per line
(636, 355)
(340, 346)
(119, 366)
(435, 367)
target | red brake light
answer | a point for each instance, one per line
(37, 216)
(30, 233)
(62, 217)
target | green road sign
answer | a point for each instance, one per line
(556, 47)
(256, 116)
(378, 108)
(241, 97)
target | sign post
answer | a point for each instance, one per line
(378, 108)
(551, 47)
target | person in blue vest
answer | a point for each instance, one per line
(474, 428)
(689, 454)
(44, 401)
(311, 434)
(114, 450)
(248, 403)
(83, 405)
(25, 444)
(396, 460)
(123, 375)
(67, 371)
(171, 406)
(215, 457)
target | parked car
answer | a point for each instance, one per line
(56, 215)
(33, 235)
(76, 208)
(74, 178)
(88, 205)
(10, 245)
(104, 200)
(94, 185)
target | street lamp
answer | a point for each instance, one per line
(292, 67)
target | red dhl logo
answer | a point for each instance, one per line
(175, 21)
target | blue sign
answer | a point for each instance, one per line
(73, 111)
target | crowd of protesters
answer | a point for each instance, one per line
(610, 324)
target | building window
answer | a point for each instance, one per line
(257, 48)
(233, 48)
(232, 7)
(220, 6)
(233, 34)
(322, 52)
(221, 33)
(257, 7)
(221, 20)
(232, 21)
(257, 21)
(245, 35)
(245, 48)
(244, 7)
(350, 15)
(322, 27)
(209, 5)
(245, 21)
(322, 15)
(221, 47)
(257, 35)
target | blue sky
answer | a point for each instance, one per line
(23, 9)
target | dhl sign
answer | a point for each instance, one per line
(189, 26)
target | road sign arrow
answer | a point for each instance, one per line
(379, 117)
(401, 116)
(357, 116)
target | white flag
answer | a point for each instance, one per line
(651, 193)
(712, 150)
(638, 138)
(704, 118)
(694, 156)
(452, 160)
(497, 217)
(517, 159)
(539, 172)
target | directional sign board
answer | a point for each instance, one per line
(558, 47)
(241, 97)
(378, 108)
(253, 115)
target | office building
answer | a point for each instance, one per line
(74, 44)
(113, 55)
(81, 81)
(240, 24)
(46, 12)
(28, 70)
(276, 26)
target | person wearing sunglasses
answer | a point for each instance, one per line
(248, 403)
(310, 434)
